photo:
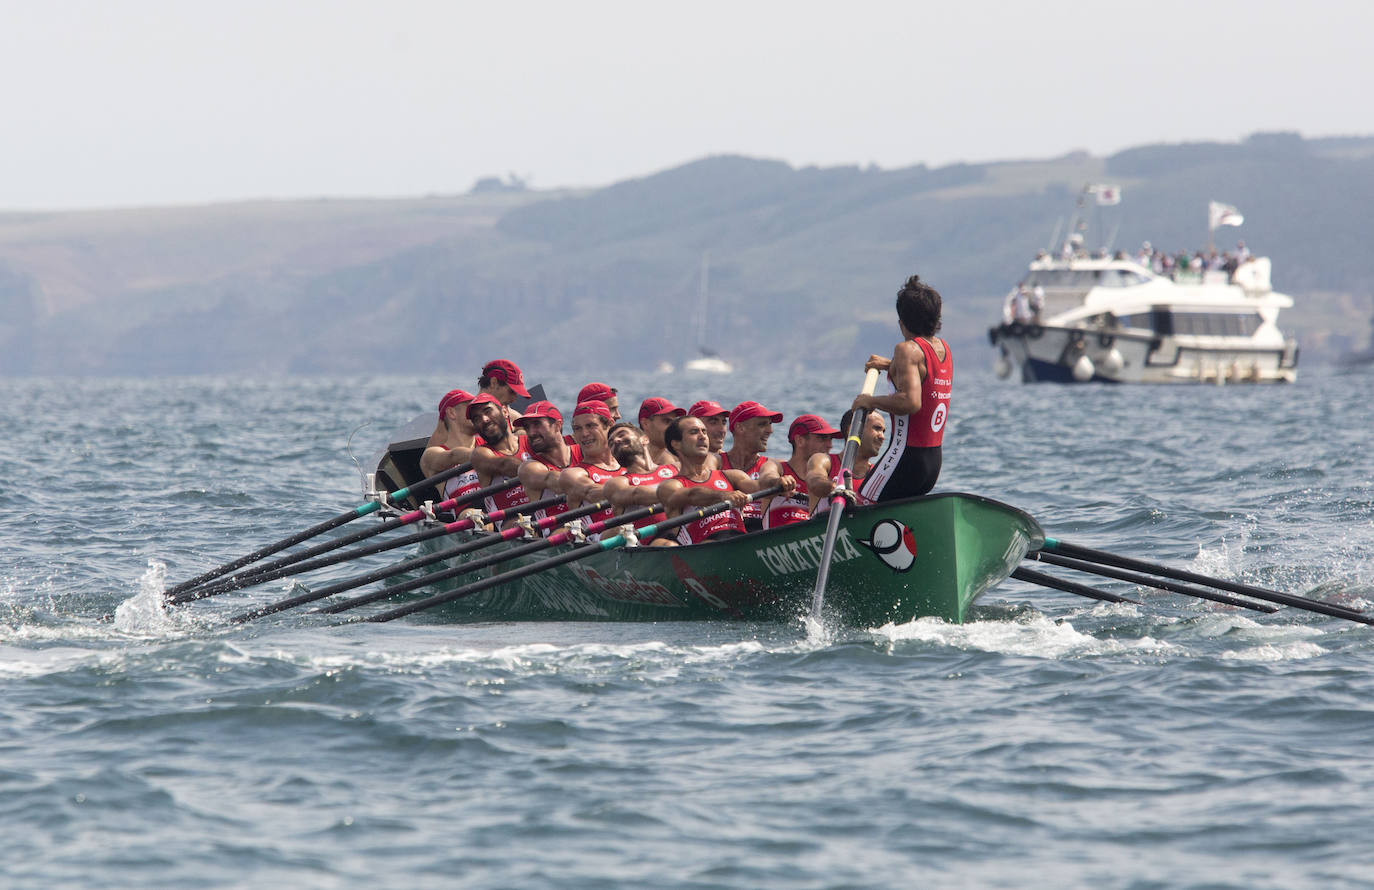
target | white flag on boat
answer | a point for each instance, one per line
(1106, 194)
(1219, 214)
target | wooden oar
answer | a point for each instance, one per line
(1030, 576)
(589, 549)
(422, 561)
(296, 563)
(832, 528)
(311, 565)
(345, 517)
(1125, 562)
(1146, 581)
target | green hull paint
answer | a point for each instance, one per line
(964, 544)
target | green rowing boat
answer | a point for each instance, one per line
(930, 556)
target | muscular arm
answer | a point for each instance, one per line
(538, 480)
(577, 484)
(742, 482)
(489, 464)
(819, 485)
(436, 459)
(907, 369)
(623, 495)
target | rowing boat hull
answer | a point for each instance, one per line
(894, 562)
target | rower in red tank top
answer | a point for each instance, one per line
(697, 484)
(638, 487)
(584, 482)
(921, 371)
(452, 444)
(502, 455)
(809, 435)
(750, 426)
(550, 455)
(824, 472)
(722, 524)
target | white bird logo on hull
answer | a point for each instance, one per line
(894, 544)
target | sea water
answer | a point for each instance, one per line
(1051, 742)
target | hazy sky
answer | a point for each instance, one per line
(125, 102)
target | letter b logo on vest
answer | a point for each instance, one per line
(937, 417)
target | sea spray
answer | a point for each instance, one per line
(146, 613)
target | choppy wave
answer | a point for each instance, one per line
(1050, 741)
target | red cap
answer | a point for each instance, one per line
(593, 406)
(596, 392)
(540, 409)
(706, 408)
(507, 372)
(481, 399)
(451, 398)
(652, 407)
(750, 410)
(809, 425)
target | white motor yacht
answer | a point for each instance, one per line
(1077, 318)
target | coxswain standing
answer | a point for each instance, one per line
(750, 425)
(699, 484)
(654, 416)
(584, 482)
(550, 454)
(456, 439)
(500, 455)
(823, 471)
(921, 372)
(810, 435)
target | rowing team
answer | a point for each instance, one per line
(672, 456)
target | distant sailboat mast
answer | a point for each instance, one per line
(704, 302)
(707, 360)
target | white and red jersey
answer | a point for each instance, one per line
(726, 520)
(753, 509)
(464, 483)
(558, 509)
(599, 475)
(926, 428)
(511, 497)
(653, 478)
(795, 507)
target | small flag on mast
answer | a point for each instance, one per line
(1219, 214)
(1106, 194)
